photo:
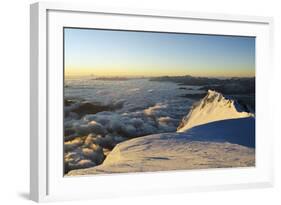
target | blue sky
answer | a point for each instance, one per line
(129, 53)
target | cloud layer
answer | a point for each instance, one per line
(88, 138)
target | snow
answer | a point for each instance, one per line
(217, 133)
(221, 144)
(163, 152)
(213, 107)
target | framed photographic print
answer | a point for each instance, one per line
(149, 101)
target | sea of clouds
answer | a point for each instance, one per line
(139, 107)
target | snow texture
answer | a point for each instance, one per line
(221, 144)
(217, 133)
(213, 107)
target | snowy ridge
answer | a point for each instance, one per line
(217, 133)
(172, 151)
(213, 107)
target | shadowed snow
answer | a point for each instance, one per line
(216, 132)
(221, 144)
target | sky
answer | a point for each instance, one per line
(135, 53)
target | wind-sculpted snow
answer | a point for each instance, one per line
(214, 145)
(213, 107)
(101, 117)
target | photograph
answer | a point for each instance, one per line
(149, 101)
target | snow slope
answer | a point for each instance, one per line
(164, 152)
(213, 107)
(227, 143)
(217, 133)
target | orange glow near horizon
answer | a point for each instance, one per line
(147, 54)
(137, 72)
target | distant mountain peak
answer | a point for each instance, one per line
(213, 107)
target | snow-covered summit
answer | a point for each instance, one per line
(217, 133)
(221, 144)
(213, 107)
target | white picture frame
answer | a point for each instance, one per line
(46, 177)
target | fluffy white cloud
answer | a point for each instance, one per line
(145, 107)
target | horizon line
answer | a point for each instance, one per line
(153, 76)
